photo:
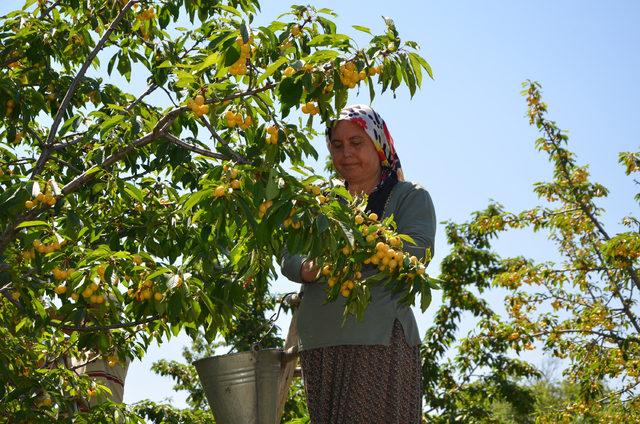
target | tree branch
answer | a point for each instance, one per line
(175, 140)
(149, 90)
(236, 156)
(5, 292)
(159, 130)
(554, 140)
(45, 12)
(609, 335)
(37, 169)
(105, 327)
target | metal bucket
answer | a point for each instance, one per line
(242, 388)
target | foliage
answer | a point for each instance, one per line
(128, 217)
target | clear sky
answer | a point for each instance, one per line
(465, 136)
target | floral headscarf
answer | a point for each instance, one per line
(371, 122)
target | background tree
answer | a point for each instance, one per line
(126, 220)
(581, 309)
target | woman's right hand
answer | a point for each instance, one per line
(309, 271)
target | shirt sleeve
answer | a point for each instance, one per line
(416, 217)
(291, 265)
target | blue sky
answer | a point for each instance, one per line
(465, 136)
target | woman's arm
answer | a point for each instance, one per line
(416, 217)
(298, 268)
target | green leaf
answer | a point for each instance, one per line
(271, 69)
(110, 123)
(209, 61)
(272, 185)
(185, 79)
(328, 25)
(229, 9)
(322, 56)
(425, 297)
(322, 223)
(424, 64)
(231, 55)
(361, 28)
(167, 64)
(134, 192)
(335, 40)
(195, 198)
(68, 124)
(415, 65)
(435, 283)
(290, 92)
(124, 66)
(27, 224)
(408, 238)
(408, 74)
(244, 33)
(39, 307)
(343, 192)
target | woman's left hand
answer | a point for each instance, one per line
(309, 271)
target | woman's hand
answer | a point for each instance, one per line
(309, 271)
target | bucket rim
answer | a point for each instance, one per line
(229, 355)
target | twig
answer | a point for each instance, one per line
(169, 95)
(149, 90)
(609, 335)
(5, 293)
(61, 146)
(68, 165)
(45, 12)
(236, 156)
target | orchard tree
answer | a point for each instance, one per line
(582, 309)
(129, 216)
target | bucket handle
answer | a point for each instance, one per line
(290, 354)
(292, 300)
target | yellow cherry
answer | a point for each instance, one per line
(220, 191)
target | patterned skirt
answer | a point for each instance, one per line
(364, 384)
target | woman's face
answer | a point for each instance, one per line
(353, 153)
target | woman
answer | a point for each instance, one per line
(364, 371)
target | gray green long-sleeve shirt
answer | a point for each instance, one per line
(320, 324)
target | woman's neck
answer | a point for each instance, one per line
(364, 186)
